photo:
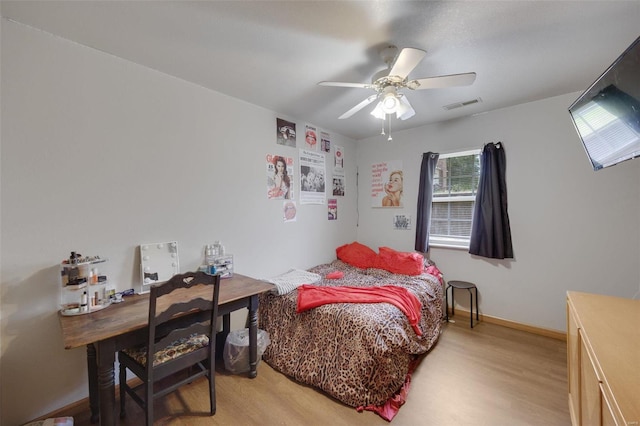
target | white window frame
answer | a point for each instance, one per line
(451, 241)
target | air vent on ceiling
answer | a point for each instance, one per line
(462, 104)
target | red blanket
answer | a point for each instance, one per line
(311, 296)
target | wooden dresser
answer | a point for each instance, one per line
(603, 355)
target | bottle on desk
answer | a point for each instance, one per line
(84, 306)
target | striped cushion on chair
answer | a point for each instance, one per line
(172, 351)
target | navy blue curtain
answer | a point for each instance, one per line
(425, 196)
(490, 232)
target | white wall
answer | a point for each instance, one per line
(100, 155)
(572, 228)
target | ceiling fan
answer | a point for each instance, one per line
(388, 83)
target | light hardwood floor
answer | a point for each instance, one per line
(488, 375)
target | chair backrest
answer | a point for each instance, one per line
(185, 305)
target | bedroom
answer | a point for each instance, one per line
(81, 170)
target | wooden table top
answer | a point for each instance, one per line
(611, 333)
(133, 313)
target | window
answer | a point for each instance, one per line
(455, 184)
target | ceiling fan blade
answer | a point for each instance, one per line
(407, 60)
(442, 81)
(358, 107)
(405, 110)
(341, 84)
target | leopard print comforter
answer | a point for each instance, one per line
(358, 353)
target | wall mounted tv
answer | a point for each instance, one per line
(607, 114)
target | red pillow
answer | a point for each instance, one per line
(357, 254)
(399, 262)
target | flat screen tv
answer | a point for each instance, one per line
(607, 114)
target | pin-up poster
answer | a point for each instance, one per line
(312, 177)
(387, 184)
(280, 177)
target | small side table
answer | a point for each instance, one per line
(461, 285)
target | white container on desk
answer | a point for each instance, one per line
(224, 265)
(85, 287)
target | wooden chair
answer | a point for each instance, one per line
(182, 336)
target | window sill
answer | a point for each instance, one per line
(449, 243)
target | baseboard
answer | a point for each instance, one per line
(554, 334)
(82, 404)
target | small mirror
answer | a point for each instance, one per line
(158, 263)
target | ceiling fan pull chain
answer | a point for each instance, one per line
(389, 138)
(382, 132)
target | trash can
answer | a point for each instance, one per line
(236, 350)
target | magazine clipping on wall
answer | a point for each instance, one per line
(312, 177)
(325, 142)
(386, 184)
(338, 159)
(285, 132)
(338, 172)
(402, 222)
(332, 207)
(338, 186)
(310, 138)
(289, 211)
(280, 177)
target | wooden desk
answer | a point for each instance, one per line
(123, 325)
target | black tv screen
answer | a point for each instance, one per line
(607, 114)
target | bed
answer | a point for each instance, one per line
(359, 353)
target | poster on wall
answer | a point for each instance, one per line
(312, 177)
(325, 142)
(386, 184)
(310, 138)
(332, 207)
(285, 132)
(338, 186)
(338, 172)
(402, 222)
(289, 211)
(280, 177)
(338, 159)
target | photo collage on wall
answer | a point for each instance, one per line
(305, 179)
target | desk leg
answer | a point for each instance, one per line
(221, 336)
(106, 383)
(253, 336)
(226, 324)
(92, 370)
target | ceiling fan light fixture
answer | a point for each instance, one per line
(390, 104)
(404, 110)
(390, 101)
(378, 112)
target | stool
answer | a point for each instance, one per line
(466, 285)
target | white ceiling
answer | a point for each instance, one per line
(273, 53)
